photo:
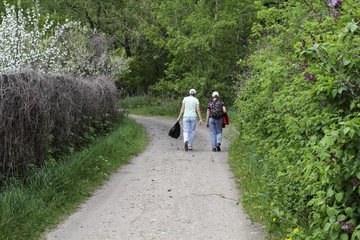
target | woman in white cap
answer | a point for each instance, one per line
(214, 121)
(190, 105)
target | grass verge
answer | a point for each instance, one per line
(248, 173)
(51, 193)
(255, 192)
(151, 106)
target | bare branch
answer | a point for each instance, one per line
(42, 114)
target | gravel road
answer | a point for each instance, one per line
(165, 193)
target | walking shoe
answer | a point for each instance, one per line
(190, 148)
(186, 145)
(214, 150)
(218, 147)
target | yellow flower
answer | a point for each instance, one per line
(288, 238)
(274, 219)
(272, 204)
(261, 217)
(296, 229)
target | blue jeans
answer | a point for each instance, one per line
(215, 126)
(189, 129)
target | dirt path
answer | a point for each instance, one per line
(165, 193)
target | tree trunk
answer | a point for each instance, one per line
(127, 46)
(98, 16)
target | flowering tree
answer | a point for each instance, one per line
(85, 52)
(29, 100)
(67, 48)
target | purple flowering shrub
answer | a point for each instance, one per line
(335, 3)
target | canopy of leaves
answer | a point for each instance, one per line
(205, 39)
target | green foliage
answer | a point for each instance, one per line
(145, 71)
(151, 106)
(299, 113)
(205, 40)
(125, 22)
(49, 194)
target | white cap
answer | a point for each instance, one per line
(192, 92)
(215, 94)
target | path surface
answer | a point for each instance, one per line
(165, 193)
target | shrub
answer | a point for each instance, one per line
(42, 114)
(299, 112)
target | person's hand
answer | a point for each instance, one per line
(178, 119)
(201, 122)
(207, 124)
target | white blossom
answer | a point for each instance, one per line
(62, 48)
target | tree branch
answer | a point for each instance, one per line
(348, 84)
(76, 9)
(99, 15)
(312, 8)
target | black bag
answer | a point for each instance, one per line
(175, 130)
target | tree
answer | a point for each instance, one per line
(123, 22)
(62, 48)
(205, 40)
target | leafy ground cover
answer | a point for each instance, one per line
(49, 194)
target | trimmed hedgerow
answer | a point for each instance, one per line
(41, 115)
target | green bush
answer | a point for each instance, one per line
(299, 115)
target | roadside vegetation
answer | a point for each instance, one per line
(61, 136)
(297, 149)
(289, 69)
(48, 194)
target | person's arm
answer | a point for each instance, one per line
(181, 112)
(224, 109)
(207, 117)
(199, 113)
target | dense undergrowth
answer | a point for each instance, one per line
(297, 152)
(50, 193)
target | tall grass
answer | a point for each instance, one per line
(49, 194)
(248, 171)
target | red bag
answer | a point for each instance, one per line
(226, 120)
